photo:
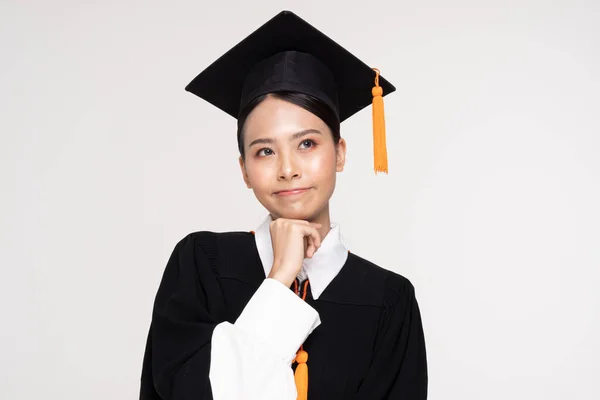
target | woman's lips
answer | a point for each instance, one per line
(292, 192)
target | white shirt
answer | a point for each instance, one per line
(251, 359)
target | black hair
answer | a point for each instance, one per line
(306, 101)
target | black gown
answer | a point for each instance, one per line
(369, 346)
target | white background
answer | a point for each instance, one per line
(491, 207)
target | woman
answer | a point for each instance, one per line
(225, 323)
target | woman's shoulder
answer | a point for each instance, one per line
(231, 254)
(212, 244)
(392, 283)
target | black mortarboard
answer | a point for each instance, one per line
(289, 54)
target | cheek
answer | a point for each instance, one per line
(259, 174)
(322, 164)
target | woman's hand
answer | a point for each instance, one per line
(293, 240)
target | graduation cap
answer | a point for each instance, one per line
(289, 54)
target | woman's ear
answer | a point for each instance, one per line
(244, 173)
(340, 158)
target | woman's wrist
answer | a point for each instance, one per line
(285, 278)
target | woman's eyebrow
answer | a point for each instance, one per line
(294, 136)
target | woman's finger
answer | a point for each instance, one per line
(316, 236)
(310, 250)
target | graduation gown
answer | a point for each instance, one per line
(368, 342)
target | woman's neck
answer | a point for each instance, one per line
(323, 218)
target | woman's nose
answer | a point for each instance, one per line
(288, 167)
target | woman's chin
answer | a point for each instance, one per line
(293, 214)
(304, 214)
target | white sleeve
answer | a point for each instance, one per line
(252, 358)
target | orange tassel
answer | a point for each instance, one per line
(379, 144)
(301, 375)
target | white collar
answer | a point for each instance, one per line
(324, 265)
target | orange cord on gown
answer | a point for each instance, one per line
(301, 374)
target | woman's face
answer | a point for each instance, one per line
(288, 148)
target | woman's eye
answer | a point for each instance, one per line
(308, 143)
(265, 151)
